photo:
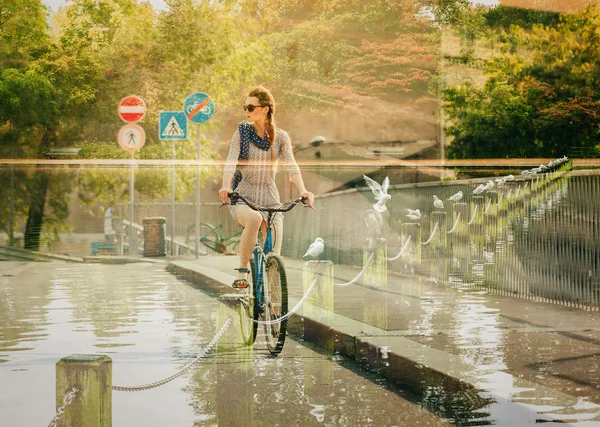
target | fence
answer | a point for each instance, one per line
(535, 237)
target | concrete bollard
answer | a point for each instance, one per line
(411, 259)
(438, 246)
(239, 355)
(458, 262)
(117, 224)
(92, 376)
(477, 239)
(376, 273)
(321, 296)
(375, 276)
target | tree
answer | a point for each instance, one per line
(539, 102)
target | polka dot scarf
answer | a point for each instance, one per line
(248, 135)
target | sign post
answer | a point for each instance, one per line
(172, 125)
(198, 108)
(131, 138)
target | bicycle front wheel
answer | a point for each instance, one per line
(248, 312)
(275, 304)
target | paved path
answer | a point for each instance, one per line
(517, 360)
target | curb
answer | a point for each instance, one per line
(406, 372)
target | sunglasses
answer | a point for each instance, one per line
(251, 107)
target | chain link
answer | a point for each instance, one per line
(184, 370)
(66, 402)
(292, 311)
(367, 264)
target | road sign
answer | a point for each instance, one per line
(172, 125)
(132, 109)
(131, 137)
(198, 107)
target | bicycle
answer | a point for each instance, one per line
(212, 238)
(265, 300)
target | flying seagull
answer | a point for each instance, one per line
(380, 192)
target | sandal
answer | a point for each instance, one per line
(241, 283)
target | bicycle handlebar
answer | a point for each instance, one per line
(235, 197)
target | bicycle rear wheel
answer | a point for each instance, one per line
(248, 312)
(275, 304)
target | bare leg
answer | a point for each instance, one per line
(251, 221)
(278, 228)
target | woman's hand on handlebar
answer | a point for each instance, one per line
(309, 197)
(224, 195)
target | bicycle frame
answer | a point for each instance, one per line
(260, 254)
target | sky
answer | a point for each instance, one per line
(160, 4)
(55, 4)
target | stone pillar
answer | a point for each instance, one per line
(154, 237)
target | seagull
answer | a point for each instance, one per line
(414, 214)
(437, 202)
(456, 197)
(380, 192)
(315, 249)
(480, 189)
(526, 172)
(488, 185)
(500, 181)
(543, 167)
(509, 178)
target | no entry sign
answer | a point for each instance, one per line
(132, 109)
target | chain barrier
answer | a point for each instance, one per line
(369, 261)
(474, 213)
(455, 224)
(66, 402)
(185, 369)
(435, 228)
(401, 251)
(292, 311)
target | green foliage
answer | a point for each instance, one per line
(538, 102)
(507, 16)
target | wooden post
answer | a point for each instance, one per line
(92, 376)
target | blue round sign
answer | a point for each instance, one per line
(198, 107)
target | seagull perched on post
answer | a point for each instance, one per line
(456, 197)
(480, 189)
(414, 214)
(437, 202)
(315, 249)
(380, 192)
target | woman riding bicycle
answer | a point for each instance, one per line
(256, 147)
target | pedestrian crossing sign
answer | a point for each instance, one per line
(172, 125)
